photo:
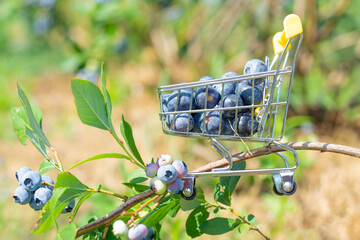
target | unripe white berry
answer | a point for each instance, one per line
(120, 228)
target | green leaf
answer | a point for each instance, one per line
(220, 196)
(137, 176)
(35, 126)
(107, 99)
(187, 205)
(218, 226)
(229, 183)
(197, 217)
(67, 232)
(137, 187)
(78, 204)
(252, 219)
(101, 156)
(127, 134)
(174, 210)
(46, 166)
(90, 104)
(156, 215)
(67, 180)
(37, 142)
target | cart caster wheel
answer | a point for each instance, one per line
(276, 191)
(187, 195)
(291, 192)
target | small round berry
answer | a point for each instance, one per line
(164, 159)
(181, 168)
(31, 180)
(47, 179)
(120, 229)
(42, 195)
(167, 174)
(176, 186)
(21, 172)
(151, 170)
(137, 232)
(69, 207)
(22, 196)
(157, 185)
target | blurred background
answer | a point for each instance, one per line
(144, 44)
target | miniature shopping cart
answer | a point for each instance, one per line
(267, 118)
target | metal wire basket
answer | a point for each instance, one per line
(265, 110)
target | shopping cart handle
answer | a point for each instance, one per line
(292, 26)
(279, 42)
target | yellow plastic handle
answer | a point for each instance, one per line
(292, 26)
(279, 42)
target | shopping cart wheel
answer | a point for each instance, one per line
(276, 191)
(189, 195)
(290, 192)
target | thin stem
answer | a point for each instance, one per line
(121, 143)
(58, 160)
(47, 184)
(144, 205)
(118, 195)
(106, 229)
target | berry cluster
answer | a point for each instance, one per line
(35, 190)
(166, 174)
(225, 95)
(137, 232)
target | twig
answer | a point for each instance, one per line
(132, 201)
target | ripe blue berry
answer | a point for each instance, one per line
(164, 159)
(230, 74)
(255, 66)
(151, 170)
(176, 186)
(181, 168)
(22, 196)
(167, 174)
(244, 125)
(225, 88)
(212, 123)
(149, 236)
(120, 229)
(247, 96)
(183, 122)
(211, 99)
(228, 127)
(42, 195)
(137, 232)
(230, 101)
(180, 101)
(206, 78)
(47, 179)
(21, 172)
(69, 207)
(157, 185)
(31, 180)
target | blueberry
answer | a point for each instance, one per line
(150, 235)
(40, 198)
(255, 66)
(176, 186)
(167, 174)
(181, 168)
(230, 101)
(196, 117)
(91, 74)
(31, 180)
(21, 172)
(228, 127)
(164, 159)
(151, 170)
(120, 229)
(230, 74)
(186, 102)
(169, 120)
(183, 122)
(157, 185)
(211, 99)
(206, 78)
(137, 232)
(244, 125)
(247, 96)
(69, 207)
(212, 122)
(22, 196)
(47, 179)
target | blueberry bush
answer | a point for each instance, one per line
(141, 215)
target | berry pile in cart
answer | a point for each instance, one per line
(35, 189)
(237, 96)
